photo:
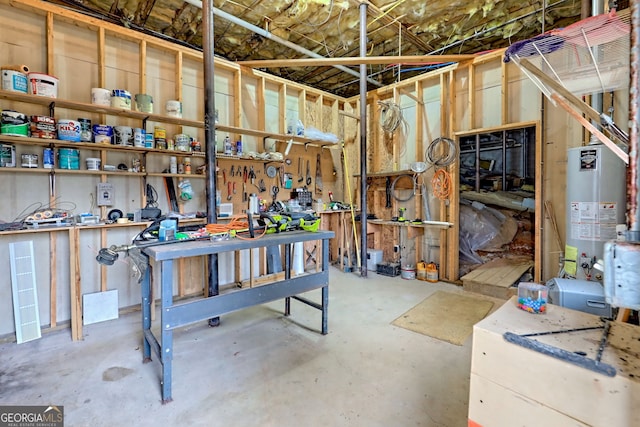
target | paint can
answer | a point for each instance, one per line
(160, 137)
(123, 135)
(7, 156)
(69, 158)
(13, 123)
(408, 272)
(43, 127)
(182, 142)
(69, 130)
(100, 96)
(14, 81)
(174, 108)
(121, 99)
(85, 130)
(47, 158)
(148, 140)
(139, 137)
(102, 134)
(43, 85)
(93, 163)
(144, 102)
(29, 160)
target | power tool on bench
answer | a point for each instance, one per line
(277, 222)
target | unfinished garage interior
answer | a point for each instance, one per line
(319, 212)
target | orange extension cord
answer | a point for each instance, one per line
(441, 183)
(236, 224)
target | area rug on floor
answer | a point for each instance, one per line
(446, 316)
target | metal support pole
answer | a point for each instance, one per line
(363, 140)
(210, 139)
(633, 181)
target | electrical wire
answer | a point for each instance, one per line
(152, 197)
(441, 152)
(391, 117)
(393, 187)
(441, 183)
(391, 120)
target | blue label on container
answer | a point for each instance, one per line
(47, 158)
(69, 130)
(20, 83)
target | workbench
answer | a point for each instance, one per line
(174, 316)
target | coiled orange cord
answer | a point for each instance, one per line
(441, 183)
(236, 224)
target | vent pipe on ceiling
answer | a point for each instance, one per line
(266, 34)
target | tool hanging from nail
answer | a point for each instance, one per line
(318, 175)
(300, 176)
(308, 173)
(229, 190)
(388, 192)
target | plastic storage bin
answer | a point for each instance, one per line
(532, 297)
(374, 257)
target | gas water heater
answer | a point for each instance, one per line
(596, 205)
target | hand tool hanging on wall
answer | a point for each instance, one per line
(229, 190)
(308, 173)
(318, 175)
(300, 176)
(388, 193)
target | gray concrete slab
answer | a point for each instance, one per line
(258, 368)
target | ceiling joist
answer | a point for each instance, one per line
(347, 61)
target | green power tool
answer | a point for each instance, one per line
(276, 223)
(401, 212)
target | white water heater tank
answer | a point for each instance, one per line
(596, 203)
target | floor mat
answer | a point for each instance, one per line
(446, 316)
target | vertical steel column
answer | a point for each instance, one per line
(210, 139)
(363, 140)
(633, 181)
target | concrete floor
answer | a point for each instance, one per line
(258, 368)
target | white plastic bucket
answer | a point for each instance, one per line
(174, 108)
(14, 81)
(121, 99)
(100, 96)
(43, 85)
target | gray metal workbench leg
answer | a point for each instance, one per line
(325, 289)
(287, 276)
(146, 315)
(167, 334)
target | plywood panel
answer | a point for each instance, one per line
(584, 395)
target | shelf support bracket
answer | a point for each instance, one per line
(52, 108)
